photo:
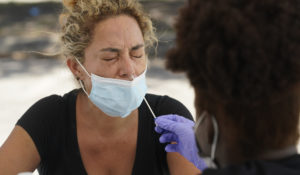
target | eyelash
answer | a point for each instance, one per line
(111, 59)
(138, 56)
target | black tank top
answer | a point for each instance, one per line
(51, 123)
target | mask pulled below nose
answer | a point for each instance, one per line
(115, 97)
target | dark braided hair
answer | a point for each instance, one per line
(244, 55)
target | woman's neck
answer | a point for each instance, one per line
(91, 116)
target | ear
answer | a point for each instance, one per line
(75, 68)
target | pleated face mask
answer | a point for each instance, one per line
(115, 97)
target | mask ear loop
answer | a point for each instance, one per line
(82, 87)
(210, 161)
(215, 139)
(199, 121)
(80, 81)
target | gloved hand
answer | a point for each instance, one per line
(175, 128)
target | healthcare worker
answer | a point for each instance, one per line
(243, 59)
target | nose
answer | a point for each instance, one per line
(127, 66)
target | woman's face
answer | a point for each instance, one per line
(117, 50)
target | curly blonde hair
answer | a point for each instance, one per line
(80, 17)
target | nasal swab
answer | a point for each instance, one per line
(149, 107)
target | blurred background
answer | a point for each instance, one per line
(28, 26)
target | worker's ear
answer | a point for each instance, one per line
(75, 68)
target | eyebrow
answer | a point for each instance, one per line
(110, 49)
(137, 47)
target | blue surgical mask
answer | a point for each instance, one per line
(116, 98)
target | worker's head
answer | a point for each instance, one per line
(243, 60)
(109, 38)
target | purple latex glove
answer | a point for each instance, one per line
(175, 128)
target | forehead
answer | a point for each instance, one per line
(119, 31)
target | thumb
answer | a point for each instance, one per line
(168, 137)
(171, 148)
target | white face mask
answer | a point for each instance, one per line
(116, 98)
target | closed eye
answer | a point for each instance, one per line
(137, 51)
(109, 59)
(138, 56)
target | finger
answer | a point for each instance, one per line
(175, 117)
(169, 125)
(159, 130)
(183, 119)
(169, 137)
(171, 148)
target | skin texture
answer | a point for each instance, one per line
(107, 144)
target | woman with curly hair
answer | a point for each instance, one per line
(105, 127)
(243, 59)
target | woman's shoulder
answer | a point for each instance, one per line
(167, 105)
(47, 108)
(52, 103)
(45, 120)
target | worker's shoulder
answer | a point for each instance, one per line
(285, 166)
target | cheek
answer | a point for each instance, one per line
(141, 65)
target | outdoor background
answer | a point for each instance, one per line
(28, 26)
